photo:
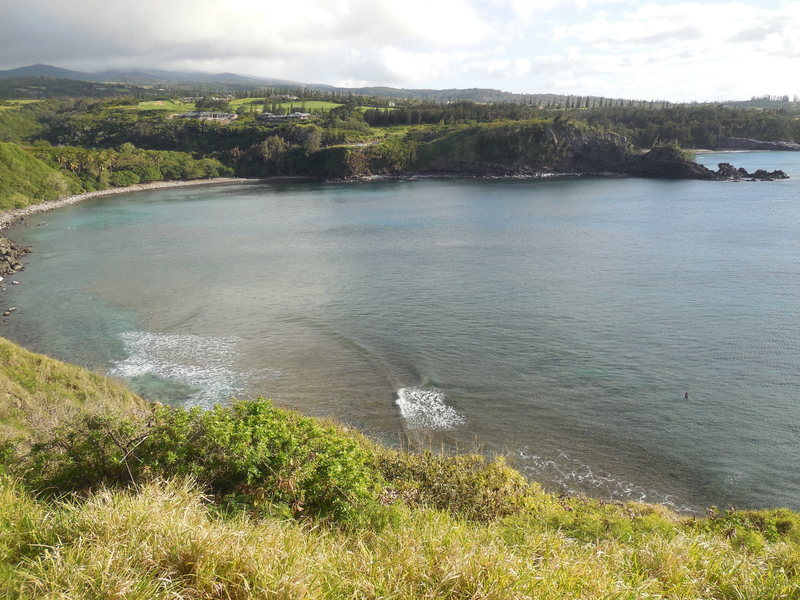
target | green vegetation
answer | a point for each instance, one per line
(126, 165)
(26, 180)
(37, 392)
(18, 125)
(32, 175)
(587, 136)
(107, 496)
(166, 105)
(12, 104)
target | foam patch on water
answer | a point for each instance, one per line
(574, 478)
(203, 363)
(424, 408)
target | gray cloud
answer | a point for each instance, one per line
(754, 34)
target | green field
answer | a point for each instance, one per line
(164, 105)
(300, 105)
(168, 105)
(258, 105)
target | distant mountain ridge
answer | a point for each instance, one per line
(140, 76)
(150, 77)
(233, 82)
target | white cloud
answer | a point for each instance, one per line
(610, 47)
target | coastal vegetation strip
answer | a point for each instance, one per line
(102, 494)
(250, 146)
(36, 174)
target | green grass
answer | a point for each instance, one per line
(310, 105)
(166, 105)
(301, 105)
(36, 391)
(26, 180)
(162, 105)
(247, 101)
(164, 540)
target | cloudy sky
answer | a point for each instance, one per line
(616, 48)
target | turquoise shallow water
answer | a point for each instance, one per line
(560, 321)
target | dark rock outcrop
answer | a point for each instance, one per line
(728, 171)
(734, 143)
(666, 162)
(10, 255)
(610, 155)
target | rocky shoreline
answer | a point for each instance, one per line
(11, 254)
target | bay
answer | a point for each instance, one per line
(559, 321)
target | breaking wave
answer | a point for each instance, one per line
(425, 409)
(205, 364)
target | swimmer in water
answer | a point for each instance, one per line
(686, 395)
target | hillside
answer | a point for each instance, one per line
(250, 501)
(35, 389)
(26, 180)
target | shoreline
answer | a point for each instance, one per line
(14, 216)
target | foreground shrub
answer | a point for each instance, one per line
(248, 452)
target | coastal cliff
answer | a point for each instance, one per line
(532, 148)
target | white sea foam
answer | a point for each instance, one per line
(574, 478)
(203, 363)
(424, 408)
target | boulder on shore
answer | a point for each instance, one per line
(10, 255)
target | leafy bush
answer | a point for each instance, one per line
(249, 450)
(124, 178)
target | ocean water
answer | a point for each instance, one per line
(558, 321)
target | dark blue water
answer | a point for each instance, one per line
(560, 321)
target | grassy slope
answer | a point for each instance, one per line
(165, 540)
(36, 390)
(17, 125)
(26, 180)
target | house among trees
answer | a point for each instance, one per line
(220, 117)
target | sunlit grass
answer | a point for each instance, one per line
(260, 104)
(165, 540)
